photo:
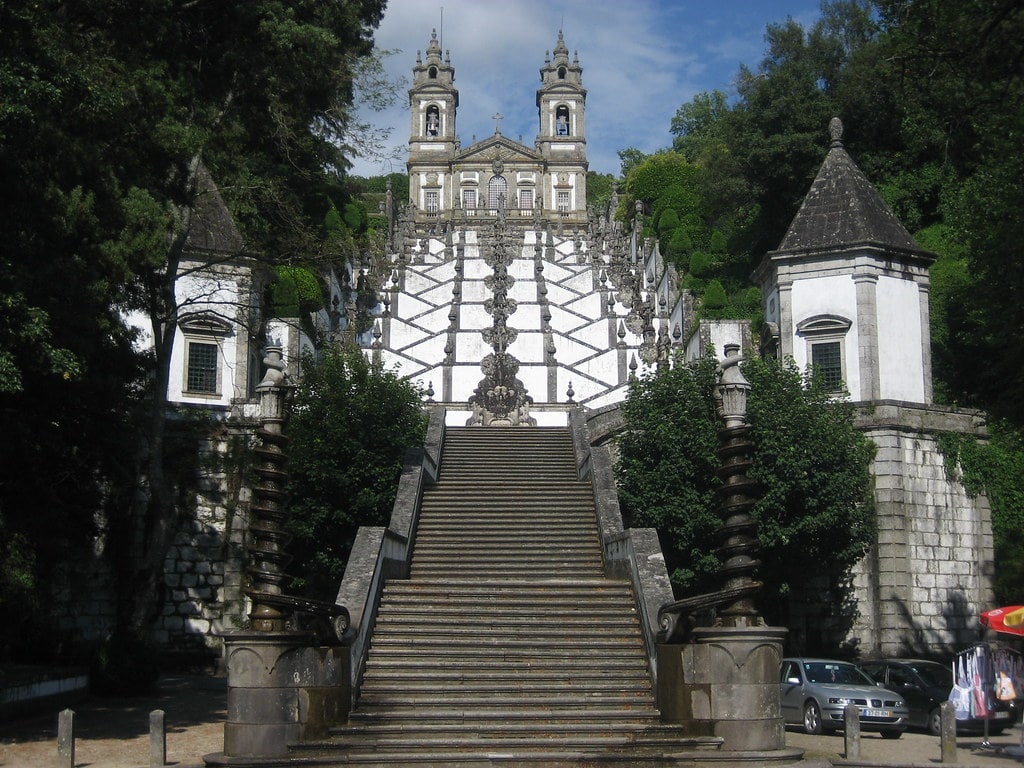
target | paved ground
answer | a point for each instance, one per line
(114, 733)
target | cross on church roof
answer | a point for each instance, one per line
(498, 117)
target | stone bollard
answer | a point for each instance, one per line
(947, 733)
(851, 732)
(157, 739)
(66, 739)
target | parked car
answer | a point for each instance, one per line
(924, 685)
(815, 693)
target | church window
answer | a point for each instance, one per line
(469, 199)
(431, 201)
(826, 355)
(201, 374)
(827, 361)
(526, 199)
(432, 73)
(561, 73)
(497, 193)
(562, 121)
(433, 120)
(563, 200)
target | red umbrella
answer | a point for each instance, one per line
(1009, 619)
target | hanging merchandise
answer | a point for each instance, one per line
(986, 678)
(960, 694)
(981, 682)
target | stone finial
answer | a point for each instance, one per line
(835, 131)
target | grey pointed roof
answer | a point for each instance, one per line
(843, 208)
(211, 227)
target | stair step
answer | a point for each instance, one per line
(511, 620)
(507, 641)
(449, 675)
(582, 589)
(484, 701)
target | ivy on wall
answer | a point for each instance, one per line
(995, 469)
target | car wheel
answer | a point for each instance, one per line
(812, 718)
(935, 722)
(891, 734)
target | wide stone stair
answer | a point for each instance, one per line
(507, 645)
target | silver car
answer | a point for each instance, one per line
(815, 693)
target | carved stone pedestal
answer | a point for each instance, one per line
(726, 684)
(282, 689)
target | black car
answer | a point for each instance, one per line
(924, 685)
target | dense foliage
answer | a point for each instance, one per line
(352, 422)
(107, 109)
(932, 98)
(813, 467)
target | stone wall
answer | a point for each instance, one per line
(203, 568)
(919, 591)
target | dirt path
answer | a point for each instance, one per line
(114, 733)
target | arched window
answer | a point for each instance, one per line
(497, 193)
(826, 348)
(561, 73)
(433, 120)
(562, 120)
(432, 73)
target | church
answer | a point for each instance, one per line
(511, 304)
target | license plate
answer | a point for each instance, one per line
(1002, 715)
(876, 713)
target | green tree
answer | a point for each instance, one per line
(697, 126)
(599, 191)
(351, 425)
(629, 159)
(812, 464)
(107, 110)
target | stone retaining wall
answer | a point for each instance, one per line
(919, 591)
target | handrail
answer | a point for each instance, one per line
(380, 553)
(633, 554)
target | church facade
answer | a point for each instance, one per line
(449, 181)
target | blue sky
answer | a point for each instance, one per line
(641, 60)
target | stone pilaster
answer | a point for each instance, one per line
(867, 336)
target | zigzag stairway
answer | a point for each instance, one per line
(507, 645)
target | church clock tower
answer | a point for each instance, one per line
(433, 100)
(562, 143)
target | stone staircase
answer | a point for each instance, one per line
(507, 645)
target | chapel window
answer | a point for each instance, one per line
(827, 361)
(526, 199)
(201, 373)
(825, 336)
(561, 73)
(562, 200)
(431, 199)
(469, 199)
(432, 73)
(203, 334)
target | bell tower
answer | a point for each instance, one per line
(433, 101)
(561, 102)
